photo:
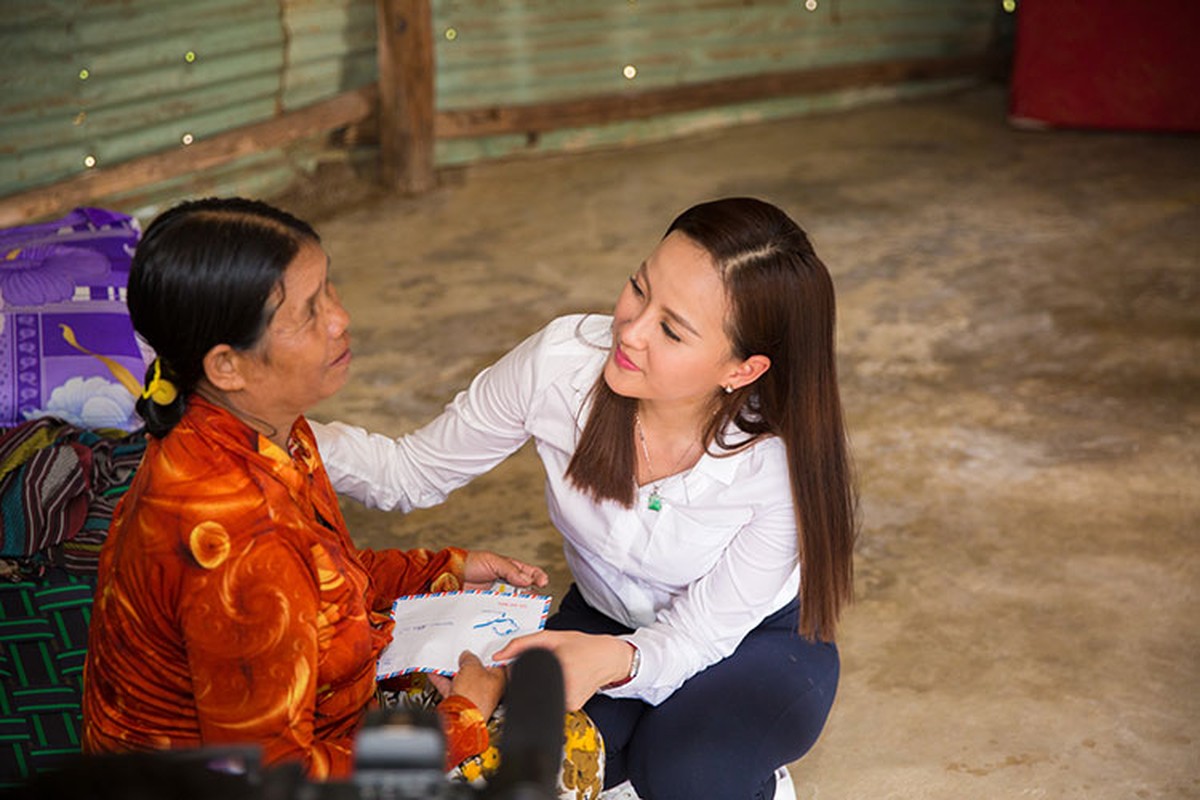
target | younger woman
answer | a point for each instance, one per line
(697, 468)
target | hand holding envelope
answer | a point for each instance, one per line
(432, 630)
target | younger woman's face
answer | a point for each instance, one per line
(669, 339)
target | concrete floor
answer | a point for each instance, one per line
(1020, 351)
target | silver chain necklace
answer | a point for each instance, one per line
(654, 503)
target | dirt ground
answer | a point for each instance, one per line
(1019, 342)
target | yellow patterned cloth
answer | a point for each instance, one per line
(232, 606)
(580, 776)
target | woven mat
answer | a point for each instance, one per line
(43, 641)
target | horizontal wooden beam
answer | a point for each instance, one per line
(642, 104)
(338, 112)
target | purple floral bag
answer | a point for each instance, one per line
(63, 320)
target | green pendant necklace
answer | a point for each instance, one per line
(655, 501)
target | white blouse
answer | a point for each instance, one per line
(692, 578)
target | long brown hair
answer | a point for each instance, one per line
(781, 301)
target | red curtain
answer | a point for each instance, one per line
(1125, 64)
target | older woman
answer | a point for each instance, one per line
(232, 606)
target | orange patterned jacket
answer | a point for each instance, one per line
(232, 606)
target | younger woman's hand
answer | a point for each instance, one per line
(483, 568)
(589, 661)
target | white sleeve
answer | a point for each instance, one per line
(698, 629)
(756, 576)
(481, 427)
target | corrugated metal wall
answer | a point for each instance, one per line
(94, 83)
(499, 53)
(493, 53)
(103, 81)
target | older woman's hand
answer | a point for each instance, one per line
(483, 568)
(483, 686)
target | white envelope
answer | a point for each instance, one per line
(431, 630)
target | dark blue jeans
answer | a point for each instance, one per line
(724, 732)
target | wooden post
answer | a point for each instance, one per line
(406, 110)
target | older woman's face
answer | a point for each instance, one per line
(304, 355)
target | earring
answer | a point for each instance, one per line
(728, 389)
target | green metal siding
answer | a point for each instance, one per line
(253, 60)
(518, 53)
(143, 93)
(492, 53)
(331, 48)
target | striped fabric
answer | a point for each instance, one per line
(43, 640)
(59, 485)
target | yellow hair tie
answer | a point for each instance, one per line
(160, 390)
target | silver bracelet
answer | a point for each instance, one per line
(634, 666)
